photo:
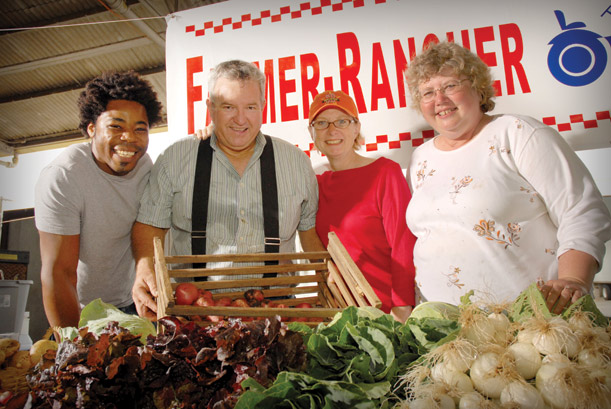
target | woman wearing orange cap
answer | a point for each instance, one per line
(363, 200)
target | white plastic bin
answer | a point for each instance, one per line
(13, 299)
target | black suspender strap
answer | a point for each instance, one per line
(201, 192)
(199, 211)
(269, 192)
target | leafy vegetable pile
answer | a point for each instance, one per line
(186, 366)
(352, 363)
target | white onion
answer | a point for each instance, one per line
(527, 359)
(458, 383)
(439, 371)
(580, 321)
(440, 401)
(526, 335)
(479, 330)
(555, 336)
(592, 358)
(555, 358)
(501, 325)
(561, 386)
(471, 400)
(486, 375)
(602, 334)
(571, 345)
(474, 400)
(521, 395)
(602, 376)
(457, 355)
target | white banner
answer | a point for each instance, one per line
(549, 59)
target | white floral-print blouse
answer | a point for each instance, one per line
(494, 215)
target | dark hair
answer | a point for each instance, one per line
(111, 86)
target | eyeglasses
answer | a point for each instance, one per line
(339, 124)
(450, 88)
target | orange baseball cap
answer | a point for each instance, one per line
(333, 99)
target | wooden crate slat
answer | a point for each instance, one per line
(165, 295)
(212, 258)
(269, 292)
(351, 273)
(255, 282)
(337, 281)
(254, 312)
(247, 270)
(327, 297)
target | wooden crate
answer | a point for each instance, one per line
(332, 282)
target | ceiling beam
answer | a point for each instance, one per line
(67, 88)
(75, 56)
(120, 7)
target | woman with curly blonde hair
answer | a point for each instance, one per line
(498, 201)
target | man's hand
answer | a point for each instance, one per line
(205, 133)
(144, 293)
(145, 285)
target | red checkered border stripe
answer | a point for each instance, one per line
(577, 119)
(266, 16)
(410, 139)
(382, 141)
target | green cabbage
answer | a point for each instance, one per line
(436, 309)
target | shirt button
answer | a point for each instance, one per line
(242, 212)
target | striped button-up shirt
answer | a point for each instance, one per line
(235, 213)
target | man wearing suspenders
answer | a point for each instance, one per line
(238, 192)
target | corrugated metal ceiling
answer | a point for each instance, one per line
(42, 71)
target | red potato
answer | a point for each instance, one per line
(239, 302)
(205, 293)
(186, 293)
(302, 319)
(224, 301)
(254, 297)
(203, 301)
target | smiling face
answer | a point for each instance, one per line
(120, 137)
(236, 111)
(455, 117)
(333, 142)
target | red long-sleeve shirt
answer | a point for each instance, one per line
(366, 207)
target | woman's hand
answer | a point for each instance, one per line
(561, 293)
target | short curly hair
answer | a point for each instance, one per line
(447, 56)
(110, 86)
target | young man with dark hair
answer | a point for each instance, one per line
(87, 199)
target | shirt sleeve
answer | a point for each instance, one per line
(573, 201)
(395, 197)
(57, 203)
(156, 201)
(309, 207)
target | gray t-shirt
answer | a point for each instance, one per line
(74, 196)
